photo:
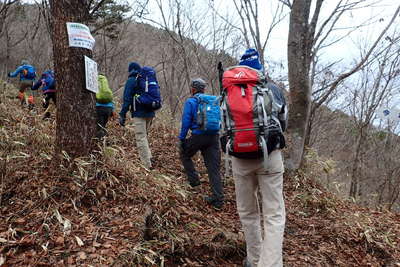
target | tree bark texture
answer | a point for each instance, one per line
(299, 56)
(76, 123)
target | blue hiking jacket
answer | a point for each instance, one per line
(47, 81)
(189, 119)
(132, 89)
(19, 71)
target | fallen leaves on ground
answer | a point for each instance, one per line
(108, 210)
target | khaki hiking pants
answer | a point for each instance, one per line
(263, 250)
(142, 127)
(24, 86)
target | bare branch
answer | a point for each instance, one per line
(361, 63)
(287, 3)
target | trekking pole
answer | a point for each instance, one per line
(220, 73)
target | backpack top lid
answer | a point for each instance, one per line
(148, 72)
(241, 75)
(203, 98)
(103, 83)
(48, 73)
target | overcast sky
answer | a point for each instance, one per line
(276, 49)
(346, 50)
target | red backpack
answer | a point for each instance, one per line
(250, 113)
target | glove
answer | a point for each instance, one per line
(9, 74)
(122, 121)
(181, 146)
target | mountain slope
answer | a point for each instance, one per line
(107, 210)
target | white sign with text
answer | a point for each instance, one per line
(79, 35)
(91, 75)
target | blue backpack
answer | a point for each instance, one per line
(150, 98)
(29, 72)
(208, 112)
(49, 80)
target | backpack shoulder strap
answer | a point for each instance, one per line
(136, 88)
(198, 98)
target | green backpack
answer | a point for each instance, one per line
(105, 95)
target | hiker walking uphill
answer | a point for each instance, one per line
(201, 115)
(104, 105)
(254, 118)
(48, 83)
(142, 97)
(27, 75)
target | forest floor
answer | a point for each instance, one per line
(108, 210)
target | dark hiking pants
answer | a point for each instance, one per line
(209, 147)
(46, 103)
(47, 98)
(103, 114)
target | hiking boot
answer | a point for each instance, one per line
(46, 116)
(153, 163)
(195, 184)
(216, 204)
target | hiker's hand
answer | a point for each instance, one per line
(122, 121)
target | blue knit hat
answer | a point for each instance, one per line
(251, 58)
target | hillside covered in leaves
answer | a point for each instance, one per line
(107, 210)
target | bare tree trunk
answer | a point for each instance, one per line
(307, 137)
(299, 59)
(355, 175)
(75, 105)
(4, 8)
(8, 48)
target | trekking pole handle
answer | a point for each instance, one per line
(220, 73)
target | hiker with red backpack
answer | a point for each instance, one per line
(254, 119)
(27, 75)
(201, 114)
(48, 83)
(142, 97)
